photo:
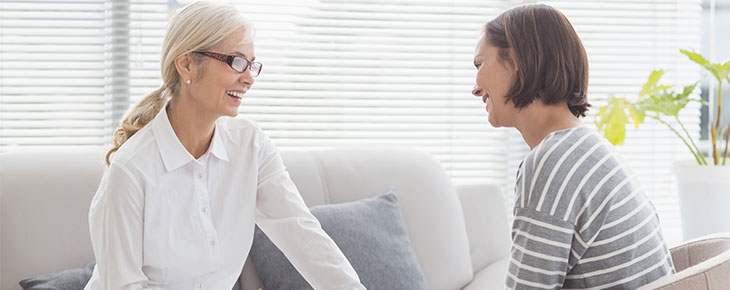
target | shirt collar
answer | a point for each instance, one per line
(216, 145)
(173, 153)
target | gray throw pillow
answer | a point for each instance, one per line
(371, 234)
(72, 279)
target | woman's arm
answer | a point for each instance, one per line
(286, 220)
(541, 251)
(116, 225)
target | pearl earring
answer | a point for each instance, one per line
(187, 82)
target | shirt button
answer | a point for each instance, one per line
(212, 243)
(205, 210)
(200, 175)
(201, 286)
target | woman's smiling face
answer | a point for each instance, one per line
(493, 81)
(220, 89)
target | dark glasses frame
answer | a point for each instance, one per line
(233, 61)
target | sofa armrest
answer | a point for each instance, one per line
(486, 223)
(707, 262)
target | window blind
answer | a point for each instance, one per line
(362, 74)
(342, 73)
(52, 73)
(369, 73)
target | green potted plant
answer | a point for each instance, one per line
(703, 187)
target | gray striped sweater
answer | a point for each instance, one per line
(582, 220)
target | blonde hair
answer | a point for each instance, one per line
(198, 26)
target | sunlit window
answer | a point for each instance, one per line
(340, 73)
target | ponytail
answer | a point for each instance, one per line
(137, 117)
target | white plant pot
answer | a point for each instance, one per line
(704, 198)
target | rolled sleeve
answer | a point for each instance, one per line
(286, 220)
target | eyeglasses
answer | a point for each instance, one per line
(237, 63)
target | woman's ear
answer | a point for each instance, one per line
(185, 67)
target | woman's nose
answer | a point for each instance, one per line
(476, 91)
(246, 78)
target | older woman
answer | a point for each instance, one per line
(582, 220)
(177, 206)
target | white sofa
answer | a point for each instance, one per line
(459, 233)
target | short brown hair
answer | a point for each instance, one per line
(550, 59)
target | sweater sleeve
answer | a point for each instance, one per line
(541, 249)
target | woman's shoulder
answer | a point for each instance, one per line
(569, 150)
(141, 143)
(569, 141)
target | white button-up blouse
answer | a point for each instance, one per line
(162, 219)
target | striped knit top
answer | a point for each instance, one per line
(582, 220)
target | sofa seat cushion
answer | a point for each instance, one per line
(491, 277)
(371, 234)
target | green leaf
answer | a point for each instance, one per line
(718, 70)
(696, 57)
(689, 89)
(637, 114)
(665, 102)
(611, 120)
(650, 86)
